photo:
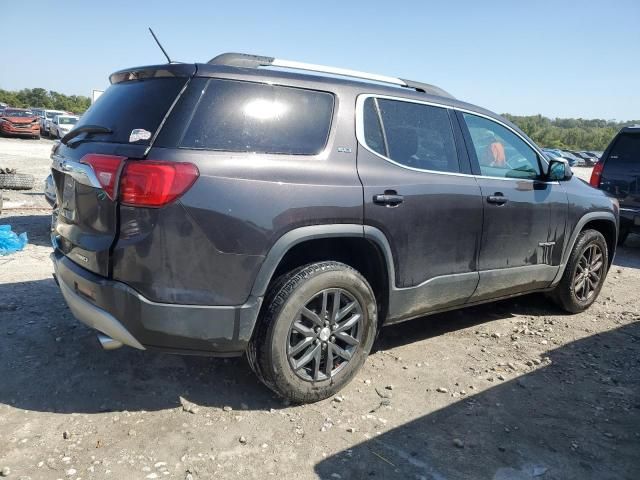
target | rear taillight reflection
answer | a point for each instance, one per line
(146, 183)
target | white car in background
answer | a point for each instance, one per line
(61, 125)
(47, 118)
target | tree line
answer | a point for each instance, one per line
(41, 98)
(569, 133)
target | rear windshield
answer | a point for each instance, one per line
(626, 149)
(252, 117)
(133, 105)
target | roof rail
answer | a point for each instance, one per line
(246, 60)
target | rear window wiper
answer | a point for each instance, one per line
(85, 129)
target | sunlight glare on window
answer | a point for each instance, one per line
(262, 109)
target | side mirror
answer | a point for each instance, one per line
(559, 170)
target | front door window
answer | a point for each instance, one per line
(500, 152)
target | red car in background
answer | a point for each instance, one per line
(19, 122)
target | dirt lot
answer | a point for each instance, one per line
(513, 390)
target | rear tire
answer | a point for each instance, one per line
(585, 273)
(304, 348)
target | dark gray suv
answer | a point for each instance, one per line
(229, 208)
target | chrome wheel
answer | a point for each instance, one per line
(588, 273)
(325, 334)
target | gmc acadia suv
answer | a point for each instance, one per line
(229, 208)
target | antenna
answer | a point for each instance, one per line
(158, 42)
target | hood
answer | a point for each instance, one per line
(19, 119)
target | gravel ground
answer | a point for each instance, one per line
(27, 156)
(511, 390)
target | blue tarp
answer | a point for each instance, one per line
(10, 242)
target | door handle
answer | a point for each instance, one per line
(389, 198)
(498, 198)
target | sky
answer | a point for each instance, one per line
(560, 58)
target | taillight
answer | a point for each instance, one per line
(147, 183)
(596, 175)
(106, 168)
(143, 183)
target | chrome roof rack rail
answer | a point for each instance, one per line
(245, 60)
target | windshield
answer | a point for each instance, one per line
(17, 113)
(53, 114)
(67, 120)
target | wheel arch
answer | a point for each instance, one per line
(364, 248)
(603, 222)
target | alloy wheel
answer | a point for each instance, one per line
(325, 334)
(588, 273)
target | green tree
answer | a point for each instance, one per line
(569, 133)
(41, 98)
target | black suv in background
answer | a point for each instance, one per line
(618, 173)
(228, 208)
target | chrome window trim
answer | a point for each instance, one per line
(81, 172)
(361, 138)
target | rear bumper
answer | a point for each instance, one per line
(630, 219)
(120, 312)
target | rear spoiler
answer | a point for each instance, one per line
(153, 71)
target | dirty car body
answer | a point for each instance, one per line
(265, 171)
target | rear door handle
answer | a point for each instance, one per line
(389, 198)
(497, 198)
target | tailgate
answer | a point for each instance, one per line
(85, 223)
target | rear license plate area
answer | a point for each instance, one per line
(68, 204)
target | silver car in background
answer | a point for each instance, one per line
(45, 120)
(61, 125)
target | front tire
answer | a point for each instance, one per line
(585, 273)
(316, 330)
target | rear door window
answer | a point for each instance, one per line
(411, 134)
(626, 150)
(239, 116)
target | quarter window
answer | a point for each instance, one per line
(412, 134)
(500, 152)
(626, 149)
(252, 117)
